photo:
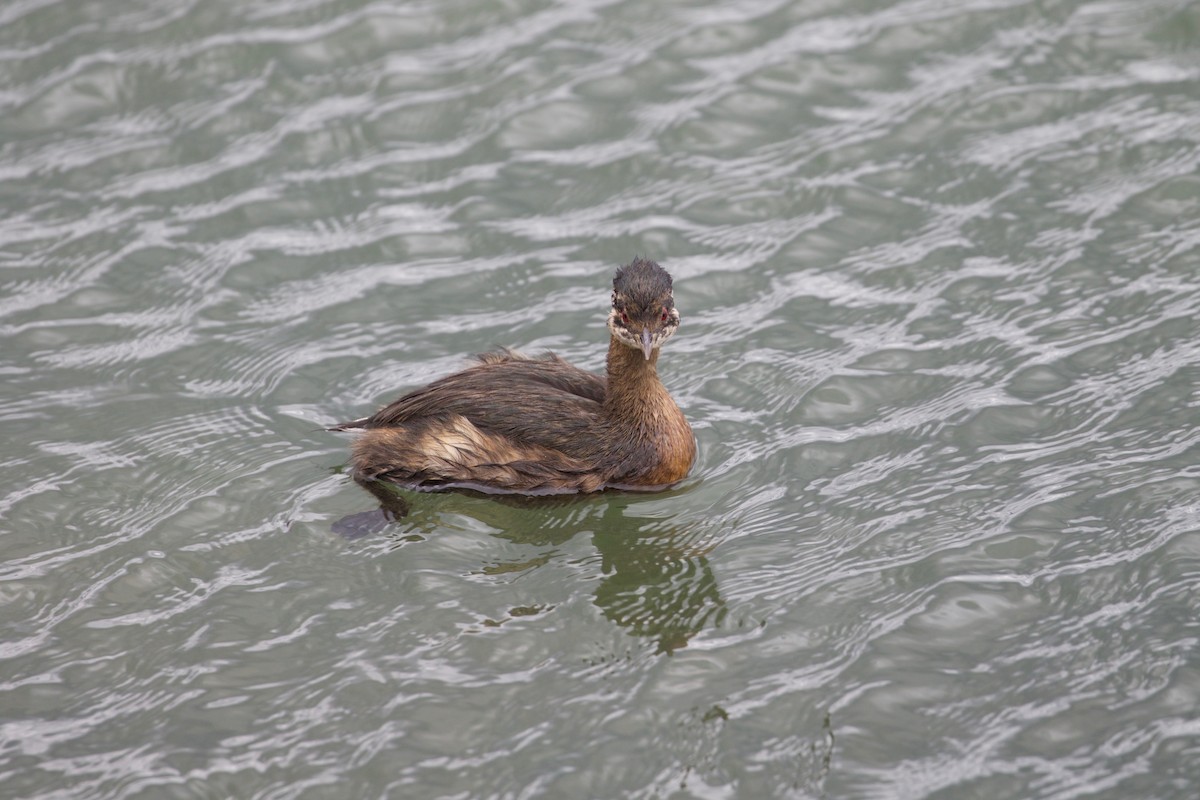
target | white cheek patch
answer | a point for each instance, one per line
(629, 338)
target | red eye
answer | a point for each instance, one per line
(624, 317)
(665, 315)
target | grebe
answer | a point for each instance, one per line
(540, 425)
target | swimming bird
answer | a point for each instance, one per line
(516, 424)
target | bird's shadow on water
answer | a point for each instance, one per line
(656, 579)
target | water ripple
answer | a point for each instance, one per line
(936, 265)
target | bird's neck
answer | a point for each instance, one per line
(633, 382)
(655, 443)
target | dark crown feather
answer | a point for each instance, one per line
(643, 280)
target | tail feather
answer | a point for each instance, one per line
(353, 424)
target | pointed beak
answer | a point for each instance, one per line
(647, 344)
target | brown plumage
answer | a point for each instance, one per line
(539, 425)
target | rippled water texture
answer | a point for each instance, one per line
(939, 270)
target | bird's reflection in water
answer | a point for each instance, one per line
(657, 581)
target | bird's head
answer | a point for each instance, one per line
(643, 312)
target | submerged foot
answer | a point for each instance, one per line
(392, 507)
